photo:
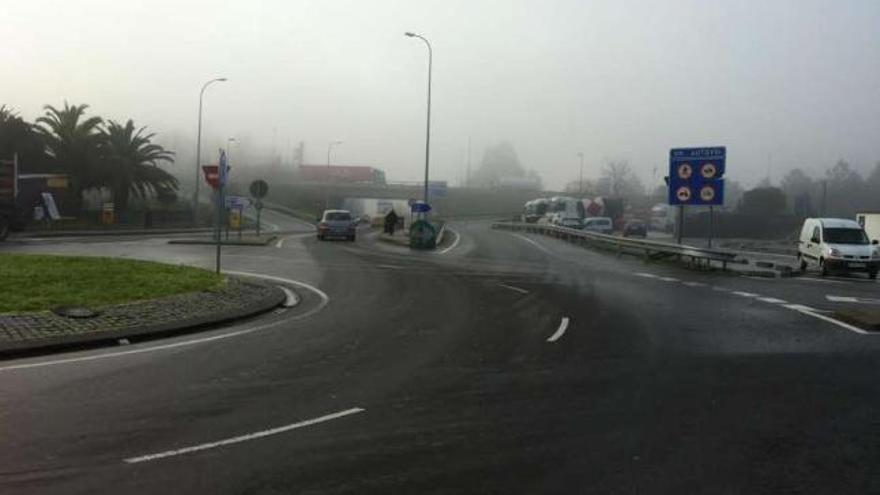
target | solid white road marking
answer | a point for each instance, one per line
(323, 295)
(534, 243)
(801, 307)
(291, 300)
(454, 243)
(646, 275)
(201, 340)
(695, 284)
(744, 294)
(827, 318)
(842, 299)
(772, 300)
(517, 289)
(668, 279)
(858, 280)
(280, 242)
(390, 267)
(719, 289)
(559, 331)
(863, 300)
(825, 280)
(242, 438)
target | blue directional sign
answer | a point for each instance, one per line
(437, 188)
(420, 207)
(695, 176)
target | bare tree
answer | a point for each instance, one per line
(621, 180)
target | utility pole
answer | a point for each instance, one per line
(468, 182)
(581, 175)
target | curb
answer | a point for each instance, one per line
(231, 242)
(185, 325)
(108, 232)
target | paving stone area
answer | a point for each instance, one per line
(237, 299)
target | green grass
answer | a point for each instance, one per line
(40, 282)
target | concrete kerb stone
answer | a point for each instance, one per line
(45, 331)
(246, 241)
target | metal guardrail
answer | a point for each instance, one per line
(626, 245)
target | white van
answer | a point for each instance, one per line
(837, 244)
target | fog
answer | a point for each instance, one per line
(782, 84)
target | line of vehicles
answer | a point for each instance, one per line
(602, 215)
(831, 245)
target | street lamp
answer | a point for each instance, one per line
(229, 143)
(581, 177)
(428, 130)
(330, 146)
(199, 149)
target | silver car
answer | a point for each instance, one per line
(602, 225)
(337, 223)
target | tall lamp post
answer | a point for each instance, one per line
(428, 130)
(581, 176)
(199, 149)
(330, 146)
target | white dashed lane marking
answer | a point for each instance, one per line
(800, 308)
(559, 331)
(772, 300)
(744, 294)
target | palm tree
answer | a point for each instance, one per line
(74, 144)
(130, 163)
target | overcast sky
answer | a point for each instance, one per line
(792, 83)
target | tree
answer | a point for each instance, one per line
(130, 164)
(846, 191)
(499, 161)
(18, 137)
(733, 193)
(74, 144)
(799, 188)
(763, 201)
(621, 180)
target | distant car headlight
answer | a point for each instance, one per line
(834, 252)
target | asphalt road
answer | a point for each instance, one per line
(503, 363)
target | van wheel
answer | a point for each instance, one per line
(803, 264)
(823, 268)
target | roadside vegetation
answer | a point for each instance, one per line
(96, 154)
(42, 282)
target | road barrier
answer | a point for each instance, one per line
(700, 257)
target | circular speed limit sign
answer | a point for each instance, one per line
(708, 171)
(683, 194)
(685, 171)
(707, 193)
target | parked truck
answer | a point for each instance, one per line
(870, 221)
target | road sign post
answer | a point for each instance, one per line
(711, 223)
(695, 178)
(259, 189)
(222, 172)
